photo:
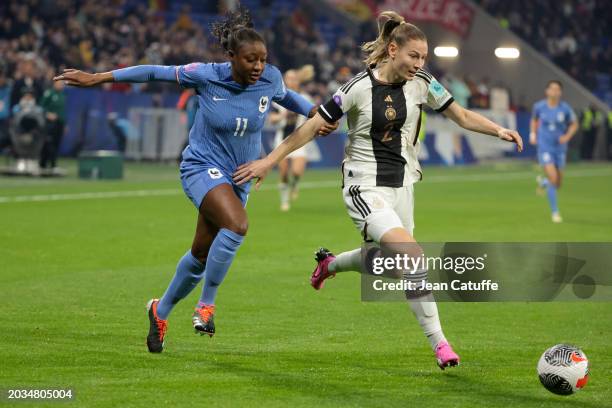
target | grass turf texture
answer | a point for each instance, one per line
(76, 274)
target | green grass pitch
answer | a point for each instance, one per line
(77, 269)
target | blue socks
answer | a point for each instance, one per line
(551, 193)
(220, 257)
(189, 272)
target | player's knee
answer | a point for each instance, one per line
(239, 227)
(555, 182)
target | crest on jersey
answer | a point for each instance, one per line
(561, 117)
(390, 113)
(263, 104)
(214, 173)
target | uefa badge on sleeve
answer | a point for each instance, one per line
(436, 89)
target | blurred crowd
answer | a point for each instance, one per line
(575, 34)
(38, 38)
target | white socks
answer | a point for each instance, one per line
(424, 307)
(426, 312)
(346, 261)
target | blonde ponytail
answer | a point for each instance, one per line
(391, 27)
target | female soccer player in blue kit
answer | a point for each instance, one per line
(234, 100)
(553, 124)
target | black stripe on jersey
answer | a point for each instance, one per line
(350, 81)
(345, 88)
(386, 132)
(423, 77)
(427, 74)
(418, 127)
(357, 205)
(365, 234)
(355, 82)
(330, 111)
(360, 199)
(446, 105)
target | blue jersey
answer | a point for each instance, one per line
(553, 123)
(227, 128)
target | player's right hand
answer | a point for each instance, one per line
(257, 169)
(75, 77)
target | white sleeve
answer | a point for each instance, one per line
(343, 100)
(438, 98)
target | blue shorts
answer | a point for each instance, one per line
(198, 180)
(551, 156)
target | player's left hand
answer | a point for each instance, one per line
(327, 128)
(256, 169)
(511, 136)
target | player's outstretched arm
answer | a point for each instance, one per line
(259, 168)
(473, 121)
(138, 73)
(295, 102)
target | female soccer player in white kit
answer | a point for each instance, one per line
(383, 106)
(292, 168)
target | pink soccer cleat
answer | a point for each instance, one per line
(323, 257)
(445, 355)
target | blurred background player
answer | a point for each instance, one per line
(234, 100)
(553, 124)
(188, 102)
(383, 105)
(292, 168)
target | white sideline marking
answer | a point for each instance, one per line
(309, 185)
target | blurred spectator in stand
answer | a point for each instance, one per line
(26, 79)
(591, 122)
(53, 103)
(188, 102)
(461, 92)
(5, 110)
(575, 34)
(499, 99)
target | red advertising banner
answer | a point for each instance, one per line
(454, 15)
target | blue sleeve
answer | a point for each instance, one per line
(145, 73)
(295, 102)
(194, 74)
(280, 91)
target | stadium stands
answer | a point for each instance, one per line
(574, 34)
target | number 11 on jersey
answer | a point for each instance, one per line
(241, 129)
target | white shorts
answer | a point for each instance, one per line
(376, 210)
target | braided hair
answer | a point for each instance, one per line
(235, 29)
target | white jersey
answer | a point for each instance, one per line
(384, 121)
(287, 125)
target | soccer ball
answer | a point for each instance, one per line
(563, 369)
